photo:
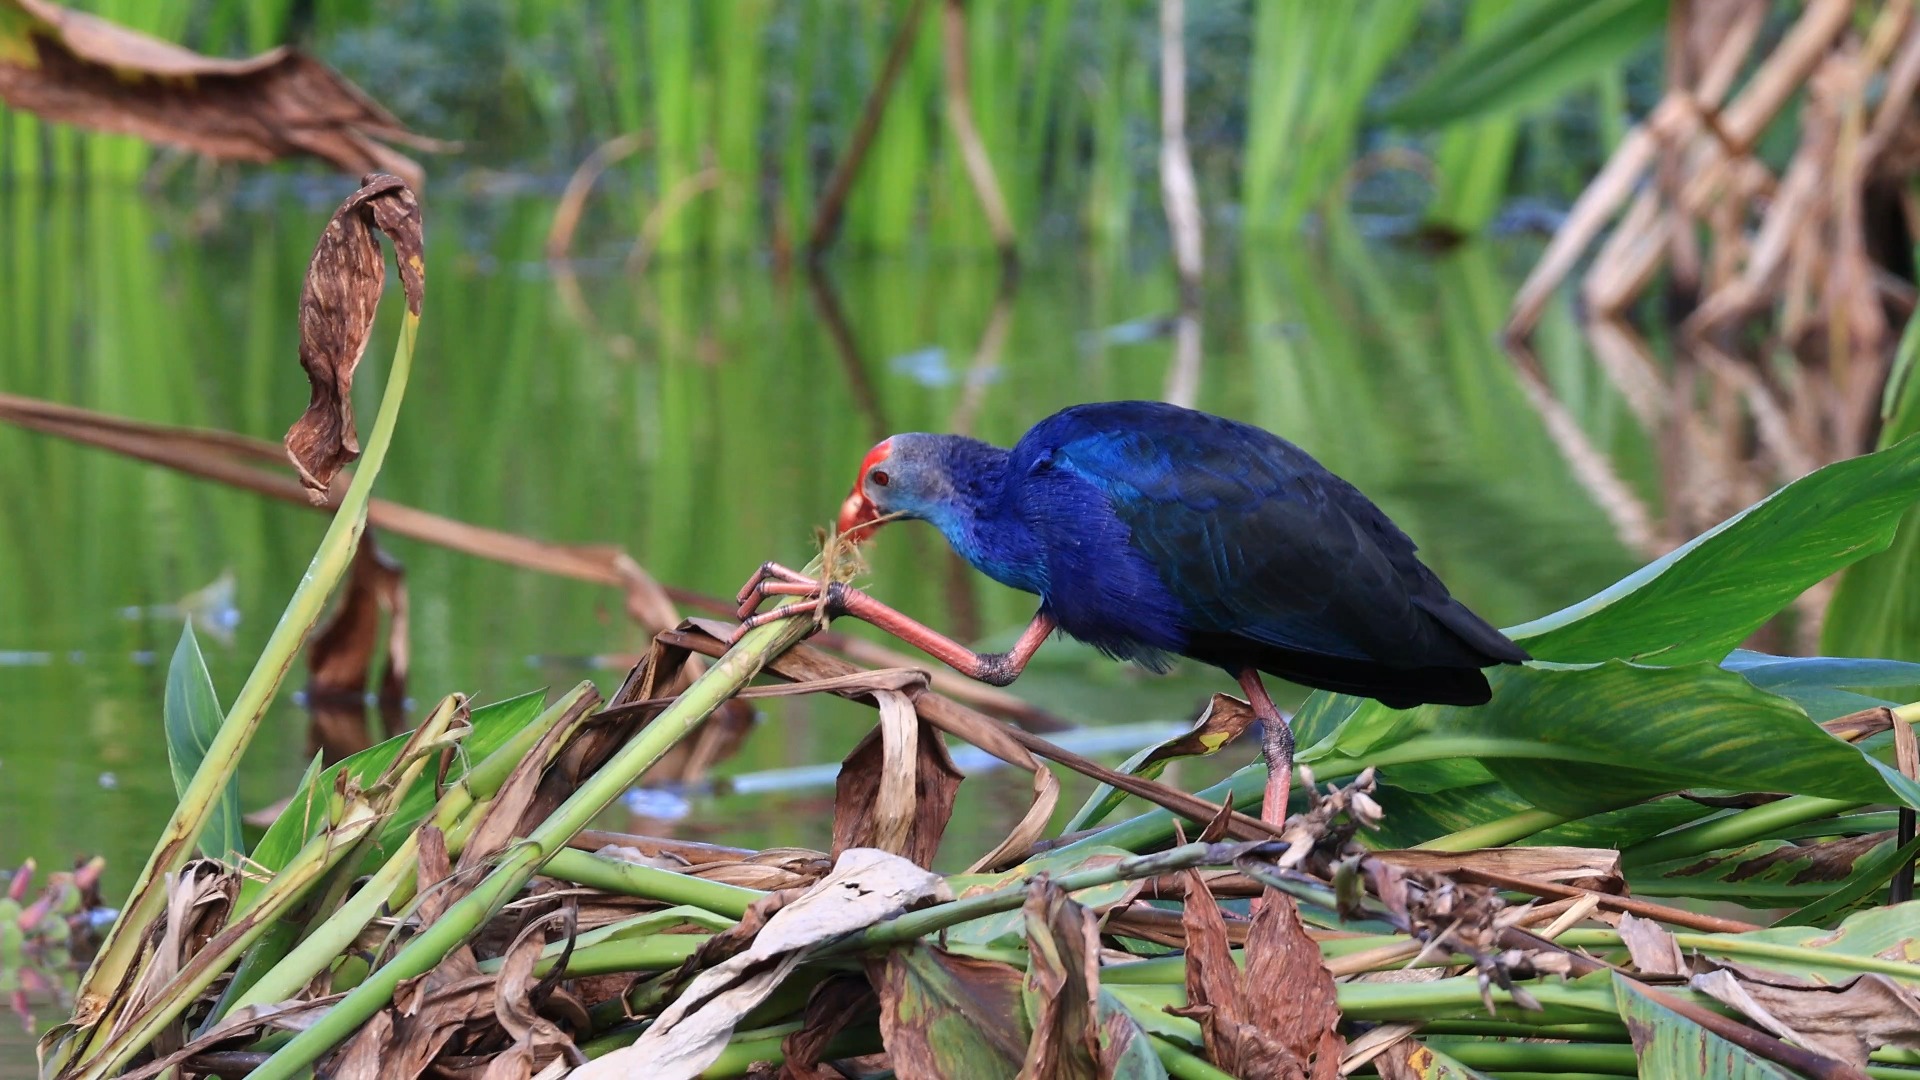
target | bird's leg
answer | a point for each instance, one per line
(836, 598)
(1276, 745)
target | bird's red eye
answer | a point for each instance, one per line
(879, 478)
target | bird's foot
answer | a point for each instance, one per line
(824, 599)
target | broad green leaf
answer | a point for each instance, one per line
(1875, 611)
(1581, 740)
(1671, 1047)
(1008, 928)
(1538, 50)
(192, 718)
(1702, 599)
(492, 726)
(1827, 686)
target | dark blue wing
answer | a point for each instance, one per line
(1252, 536)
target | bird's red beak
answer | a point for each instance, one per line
(858, 514)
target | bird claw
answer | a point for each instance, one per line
(772, 579)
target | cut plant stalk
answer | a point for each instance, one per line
(320, 855)
(393, 884)
(113, 965)
(521, 861)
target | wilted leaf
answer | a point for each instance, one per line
(1653, 949)
(75, 68)
(1225, 719)
(865, 887)
(537, 1041)
(896, 789)
(833, 1006)
(1670, 1045)
(946, 1015)
(337, 305)
(1702, 599)
(1588, 868)
(192, 718)
(1845, 1021)
(1063, 979)
(340, 654)
(1278, 1018)
(428, 1012)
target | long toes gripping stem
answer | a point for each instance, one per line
(766, 581)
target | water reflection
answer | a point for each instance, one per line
(705, 420)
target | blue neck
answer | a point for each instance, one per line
(980, 525)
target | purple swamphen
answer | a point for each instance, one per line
(1150, 531)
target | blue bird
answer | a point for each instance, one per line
(1151, 531)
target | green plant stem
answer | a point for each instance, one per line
(1733, 830)
(121, 947)
(649, 882)
(1506, 830)
(519, 862)
(655, 952)
(1183, 1065)
(916, 924)
(1613, 1058)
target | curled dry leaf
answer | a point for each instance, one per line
(1063, 981)
(896, 789)
(1847, 1021)
(1653, 949)
(1587, 868)
(866, 886)
(537, 1041)
(1279, 1017)
(75, 68)
(337, 305)
(833, 1006)
(430, 1012)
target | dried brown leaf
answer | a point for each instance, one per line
(1588, 868)
(1279, 1017)
(75, 68)
(896, 789)
(865, 887)
(1063, 981)
(337, 305)
(537, 1041)
(833, 1006)
(1847, 1020)
(1654, 950)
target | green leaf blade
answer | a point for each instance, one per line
(192, 718)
